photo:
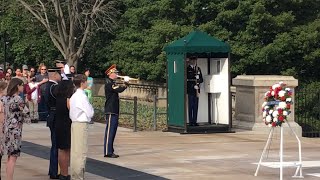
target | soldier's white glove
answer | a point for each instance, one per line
(196, 87)
(197, 77)
(126, 78)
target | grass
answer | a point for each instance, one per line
(144, 114)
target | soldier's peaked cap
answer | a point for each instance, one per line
(55, 69)
(111, 69)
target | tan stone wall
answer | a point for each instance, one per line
(143, 90)
(147, 94)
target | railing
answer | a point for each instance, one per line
(135, 111)
(99, 105)
(155, 112)
(307, 111)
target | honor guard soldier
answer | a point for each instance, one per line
(194, 78)
(54, 78)
(111, 109)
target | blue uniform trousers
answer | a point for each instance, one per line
(53, 166)
(193, 108)
(110, 133)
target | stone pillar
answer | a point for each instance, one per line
(250, 90)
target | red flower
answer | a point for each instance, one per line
(281, 118)
(280, 111)
(274, 124)
(288, 106)
(283, 98)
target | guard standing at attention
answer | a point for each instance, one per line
(194, 78)
(50, 99)
(111, 109)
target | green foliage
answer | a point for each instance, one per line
(266, 37)
(28, 41)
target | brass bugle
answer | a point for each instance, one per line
(127, 78)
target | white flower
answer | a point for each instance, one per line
(275, 119)
(268, 118)
(266, 107)
(287, 89)
(272, 93)
(288, 99)
(275, 86)
(285, 113)
(282, 105)
(271, 111)
(281, 93)
(264, 114)
(275, 113)
(264, 104)
(281, 82)
(269, 125)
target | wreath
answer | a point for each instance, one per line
(277, 105)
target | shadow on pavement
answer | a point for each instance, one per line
(93, 166)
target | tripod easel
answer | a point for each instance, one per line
(298, 173)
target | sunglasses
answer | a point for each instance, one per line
(43, 69)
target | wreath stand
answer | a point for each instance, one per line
(281, 164)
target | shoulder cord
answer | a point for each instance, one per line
(51, 91)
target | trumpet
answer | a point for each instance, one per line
(127, 78)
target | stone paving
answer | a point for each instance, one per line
(164, 155)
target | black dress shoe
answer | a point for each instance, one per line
(54, 177)
(196, 124)
(111, 155)
(61, 177)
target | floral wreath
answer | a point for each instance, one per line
(277, 105)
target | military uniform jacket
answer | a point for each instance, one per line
(192, 80)
(112, 90)
(50, 98)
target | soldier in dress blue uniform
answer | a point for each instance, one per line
(50, 99)
(111, 109)
(194, 78)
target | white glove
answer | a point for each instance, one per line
(197, 77)
(126, 78)
(196, 87)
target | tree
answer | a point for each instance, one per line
(70, 23)
(25, 43)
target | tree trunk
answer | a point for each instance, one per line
(72, 59)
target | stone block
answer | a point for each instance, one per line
(250, 90)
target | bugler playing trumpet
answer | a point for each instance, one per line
(127, 78)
